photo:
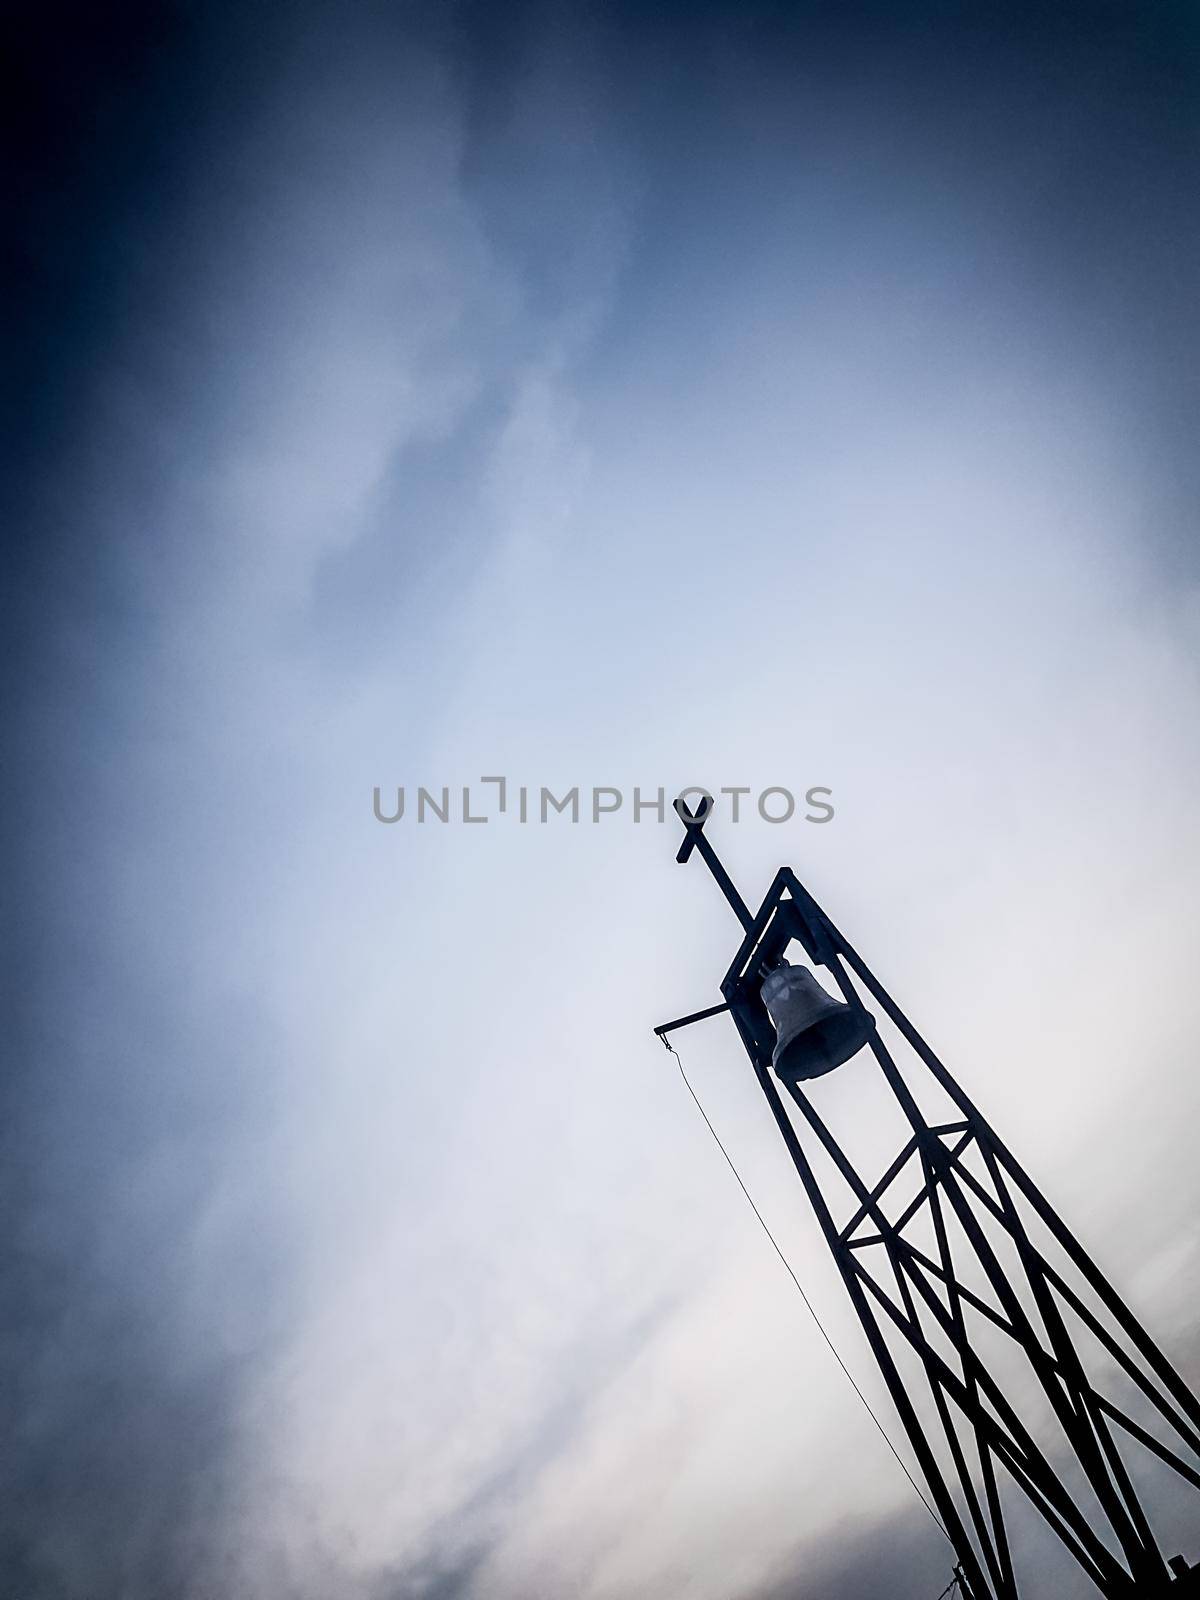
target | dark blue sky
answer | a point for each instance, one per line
(599, 395)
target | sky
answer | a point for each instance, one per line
(594, 396)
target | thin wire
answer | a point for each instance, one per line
(950, 1587)
(812, 1313)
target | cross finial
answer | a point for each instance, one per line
(694, 839)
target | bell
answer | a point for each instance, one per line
(815, 1032)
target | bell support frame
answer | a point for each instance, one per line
(982, 1261)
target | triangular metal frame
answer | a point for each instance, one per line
(915, 1299)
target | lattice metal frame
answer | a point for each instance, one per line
(916, 1299)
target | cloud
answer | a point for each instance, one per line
(560, 405)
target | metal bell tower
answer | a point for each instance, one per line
(1015, 1367)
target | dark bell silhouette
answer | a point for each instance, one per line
(815, 1032)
